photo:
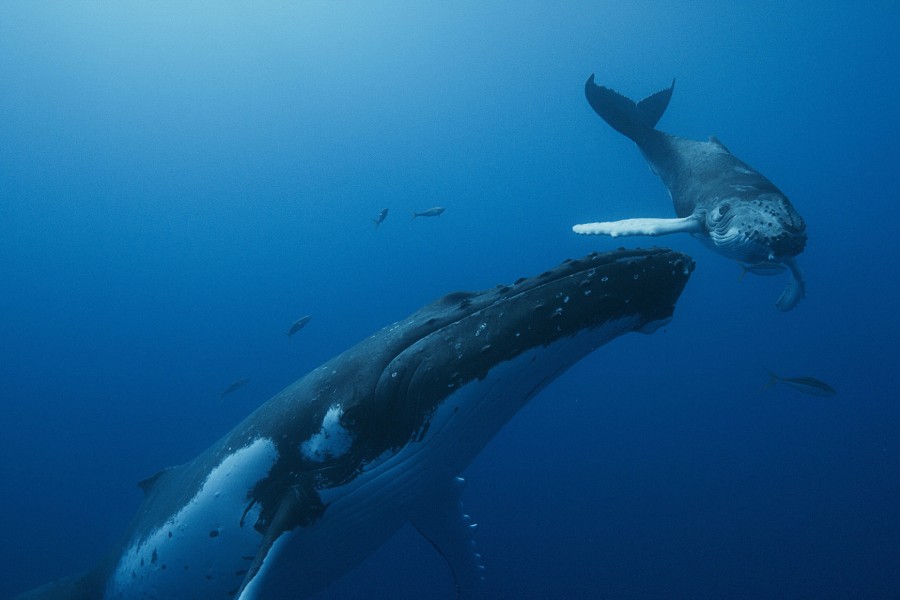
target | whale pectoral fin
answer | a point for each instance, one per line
(791, 296)
(443, 523)
(690, 224)
(297, 508)
(795, 290)
(283, 521)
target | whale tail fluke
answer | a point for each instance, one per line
(631, 119)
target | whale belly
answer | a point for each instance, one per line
(204, 550)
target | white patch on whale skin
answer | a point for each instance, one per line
(201, 551)
(332, 440)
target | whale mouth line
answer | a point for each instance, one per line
(744, 248)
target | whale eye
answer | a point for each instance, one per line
(723, 209)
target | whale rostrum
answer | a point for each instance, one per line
(322, 474)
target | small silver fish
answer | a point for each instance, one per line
(807, 385)
(380, 217)
(431, 212)
(236, 385)
(764, 268)
(298, 325)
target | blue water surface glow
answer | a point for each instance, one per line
(180, 181)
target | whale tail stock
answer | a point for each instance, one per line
(631, 119)
(76, 587)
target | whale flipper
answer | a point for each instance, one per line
(444, 524)
(293, 511)
(691, 224)
(623, 114)
(795, 290)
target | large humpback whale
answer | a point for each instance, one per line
(718, 198)
(327, 470)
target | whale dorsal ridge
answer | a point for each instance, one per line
(714, 140)
(147, 484)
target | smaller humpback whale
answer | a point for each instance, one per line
(380, 217)
(431, 212)
(718, 198)
(298, 325)
(325, 472)
(234, 386)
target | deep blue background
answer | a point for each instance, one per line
(180, 181)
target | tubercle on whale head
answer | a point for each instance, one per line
(788, 244)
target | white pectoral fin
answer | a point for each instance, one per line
(795, 290)
(690, 224)
(290, 512)
(443, 523)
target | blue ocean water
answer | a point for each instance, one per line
(179, 182)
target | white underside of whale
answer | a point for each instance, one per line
(202, 550)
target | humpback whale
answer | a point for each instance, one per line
(718, 198)
(323, 473)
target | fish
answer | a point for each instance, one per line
(763, 268)
(807, 385)
(235, 385)
(380, 217)
(298, 325)
(431, 212)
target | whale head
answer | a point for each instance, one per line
(763, 228)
